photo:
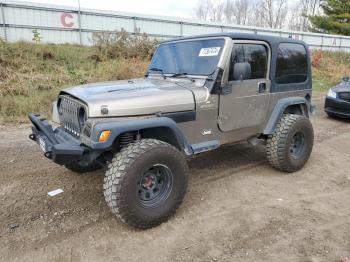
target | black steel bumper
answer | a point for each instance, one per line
(57, 145)
(337, 107)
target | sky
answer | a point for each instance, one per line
(177, 8)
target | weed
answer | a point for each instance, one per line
(32, 75)
(329, 68)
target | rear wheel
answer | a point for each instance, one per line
(146, 182)
(290, 146)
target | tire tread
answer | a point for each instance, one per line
(114, 179)
(276, 143)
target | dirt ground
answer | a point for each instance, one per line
(237, 208)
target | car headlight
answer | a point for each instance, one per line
(331, 94)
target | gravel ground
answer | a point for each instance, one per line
(237, 207)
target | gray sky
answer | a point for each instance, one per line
(178, 8)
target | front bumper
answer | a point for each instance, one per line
(57, 145)
(337, 107)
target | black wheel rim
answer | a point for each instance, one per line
(155, 186)
(297, 145)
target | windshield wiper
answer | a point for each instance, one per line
(210, 77)
(158, 70)
(183, 74)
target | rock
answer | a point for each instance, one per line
(13, 226)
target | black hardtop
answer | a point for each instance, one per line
(271, 40)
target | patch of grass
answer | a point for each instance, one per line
(328, 68)
(322, 83)
(31, 75)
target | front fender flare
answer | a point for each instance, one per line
(119, 127)
(279, 109)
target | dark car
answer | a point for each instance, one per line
(338, 100)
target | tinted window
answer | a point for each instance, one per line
(199, 57)
(251, 58)
(291, 64)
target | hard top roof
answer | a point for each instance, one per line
(242, 36)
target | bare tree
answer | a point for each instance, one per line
(262, 13)
(217, 11)
(210, 10)
(256, 17)
(236, 11)
(299, 14)
(203, 9)
(273, 12)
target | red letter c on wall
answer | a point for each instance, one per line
(65, 17)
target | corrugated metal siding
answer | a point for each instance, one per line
(60, 24)
(106, 23)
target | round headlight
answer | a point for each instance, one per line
(59, 107)
(82, 117)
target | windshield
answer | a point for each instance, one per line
(198, 57)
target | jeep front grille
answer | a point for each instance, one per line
(69, 110)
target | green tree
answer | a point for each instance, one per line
(336, 18)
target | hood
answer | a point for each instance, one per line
(134, 97)
(342, 87)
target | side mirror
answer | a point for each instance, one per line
(242, 71)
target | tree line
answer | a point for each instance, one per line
(325, 16)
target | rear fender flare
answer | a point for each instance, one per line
(281, 107)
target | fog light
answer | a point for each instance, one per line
(104, 135)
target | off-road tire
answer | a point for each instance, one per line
(78, 168)
(123, 178)
(278, 147)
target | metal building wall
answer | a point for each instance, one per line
(2, 22)
(61, 24)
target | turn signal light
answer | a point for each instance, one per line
(104, 135)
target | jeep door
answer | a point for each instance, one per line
(245, 102)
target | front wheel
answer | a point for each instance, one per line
(290, 146)
(146, 182)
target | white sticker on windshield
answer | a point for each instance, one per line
(209, 51)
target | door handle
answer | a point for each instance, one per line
(262, 87)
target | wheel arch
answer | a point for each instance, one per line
(289, 105)
(163, 133)
(161, 128)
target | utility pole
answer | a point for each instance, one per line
(79, 20)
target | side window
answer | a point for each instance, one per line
(291, 64)
(248, 61)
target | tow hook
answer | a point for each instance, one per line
(48, 155)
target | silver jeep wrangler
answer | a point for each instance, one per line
(199, 93)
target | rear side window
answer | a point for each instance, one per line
(250, 57)
(291, 64)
